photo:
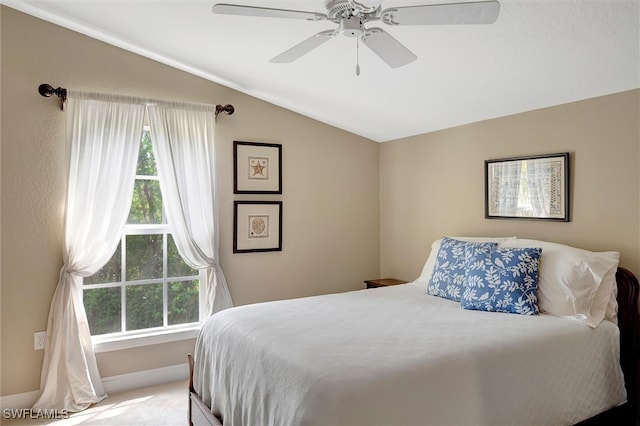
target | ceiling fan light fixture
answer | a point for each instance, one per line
(351, 26)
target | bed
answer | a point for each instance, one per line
(398, 355)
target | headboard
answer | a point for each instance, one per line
(628, 322)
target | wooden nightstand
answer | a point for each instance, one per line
(383, 282)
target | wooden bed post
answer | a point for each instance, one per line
(628, 322)
(190, 358)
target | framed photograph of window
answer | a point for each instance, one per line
(257, 226)
(257, 168)
(534, 187)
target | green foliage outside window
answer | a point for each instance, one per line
(146, 204)
(103, 309)
(182, 297)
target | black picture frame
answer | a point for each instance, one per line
(257, 226)
(534, 187)
(257, 168)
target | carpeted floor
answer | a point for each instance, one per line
(162, 405)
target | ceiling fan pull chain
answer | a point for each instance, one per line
(358, 56)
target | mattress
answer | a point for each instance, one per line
(394, 356)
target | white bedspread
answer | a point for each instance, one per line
(396, 356)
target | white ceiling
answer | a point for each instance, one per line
(538, 53)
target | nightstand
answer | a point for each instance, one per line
(383, 282)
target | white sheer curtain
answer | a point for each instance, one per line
(104, 134)
(182, 137)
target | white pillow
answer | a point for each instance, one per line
(427, 269)
(612, 307)
(573, 283)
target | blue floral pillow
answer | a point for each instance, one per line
(502, 279)
(448, 277)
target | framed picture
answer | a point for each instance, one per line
(257, 168)
(257, 226)
(534, 187)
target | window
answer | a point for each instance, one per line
(146, 286)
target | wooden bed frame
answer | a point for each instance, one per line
(628, 322)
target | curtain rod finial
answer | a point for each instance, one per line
(227, 109)
(47, 91)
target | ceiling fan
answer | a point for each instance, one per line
(352, 15)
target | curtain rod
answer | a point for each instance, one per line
(47, 90)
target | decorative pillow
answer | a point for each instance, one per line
(574, 283)
(500, 279)
(427, 269)
(447, 279)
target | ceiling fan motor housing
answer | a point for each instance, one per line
(351, 26)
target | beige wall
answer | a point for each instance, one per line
(433, 185)
(330, 189)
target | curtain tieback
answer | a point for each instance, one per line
(66, 270)
(70, 272)
(213, 265)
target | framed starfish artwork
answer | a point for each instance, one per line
(257, 168)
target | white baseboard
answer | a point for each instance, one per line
(19, 400)
(141, 379)
(113, 384)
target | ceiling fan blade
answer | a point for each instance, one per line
(265, 12)
(387, 48)
(303, 47)
(482, 12)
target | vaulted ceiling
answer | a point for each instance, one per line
(538, 53)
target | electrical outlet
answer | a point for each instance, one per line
(39, 339)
